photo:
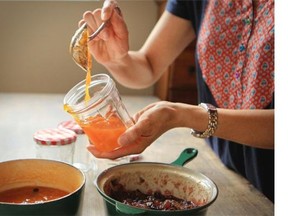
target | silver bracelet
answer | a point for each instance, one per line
(212, 123)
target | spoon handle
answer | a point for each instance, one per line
(101, 27)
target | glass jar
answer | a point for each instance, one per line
(55, 144)
(82, 158)
(103, 117)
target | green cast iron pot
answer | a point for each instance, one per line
(179, 181)
(47, 173)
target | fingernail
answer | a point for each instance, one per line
(118, 10)
(104, 15)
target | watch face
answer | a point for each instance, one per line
(208, 106)
(211, 107)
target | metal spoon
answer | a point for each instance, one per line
(100, 28)
(79, 44)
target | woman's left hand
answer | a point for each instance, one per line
(150, 123)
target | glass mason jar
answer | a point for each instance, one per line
(82, 158)
(103, 117)
(55, 144)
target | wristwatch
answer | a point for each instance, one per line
(212, 123)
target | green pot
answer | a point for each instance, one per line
(181, 182)
(47, 173)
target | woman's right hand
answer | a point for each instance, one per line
(112, 43)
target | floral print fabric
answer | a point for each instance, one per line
(236, 52)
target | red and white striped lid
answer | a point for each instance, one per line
(71, 125)
(55, 136)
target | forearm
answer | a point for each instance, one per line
(141, 69)
(133, 70)
(249, 127)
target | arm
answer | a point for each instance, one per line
(142, 68)
(250, 127)
(253, 128)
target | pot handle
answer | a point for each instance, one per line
(186, 156)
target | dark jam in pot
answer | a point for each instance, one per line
(155, 201)
(30, 194)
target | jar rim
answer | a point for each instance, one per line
(75, 96)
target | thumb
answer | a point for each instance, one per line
(129, 136)
(107, 9)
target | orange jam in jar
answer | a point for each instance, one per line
(104, 133)
(104, 117)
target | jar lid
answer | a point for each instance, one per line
(71, 125)
(55, 136)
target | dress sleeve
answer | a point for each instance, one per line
(190, 10)
(178, 8)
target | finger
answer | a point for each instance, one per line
(99, 154)
(104, 34)
(108, 8)
(118, 10)
(81, 22)
(92, 19)
(121, 152)
(129, 136)
(140, 133)
(118, 23)
(145, 109)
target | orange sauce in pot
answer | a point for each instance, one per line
(31, 194)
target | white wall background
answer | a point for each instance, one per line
(35, 37)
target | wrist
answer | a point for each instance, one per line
(192, 116)
(212, 122)
(118, 61)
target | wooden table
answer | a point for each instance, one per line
(23, 114)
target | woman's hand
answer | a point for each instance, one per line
(112, 43)
(150, 123)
